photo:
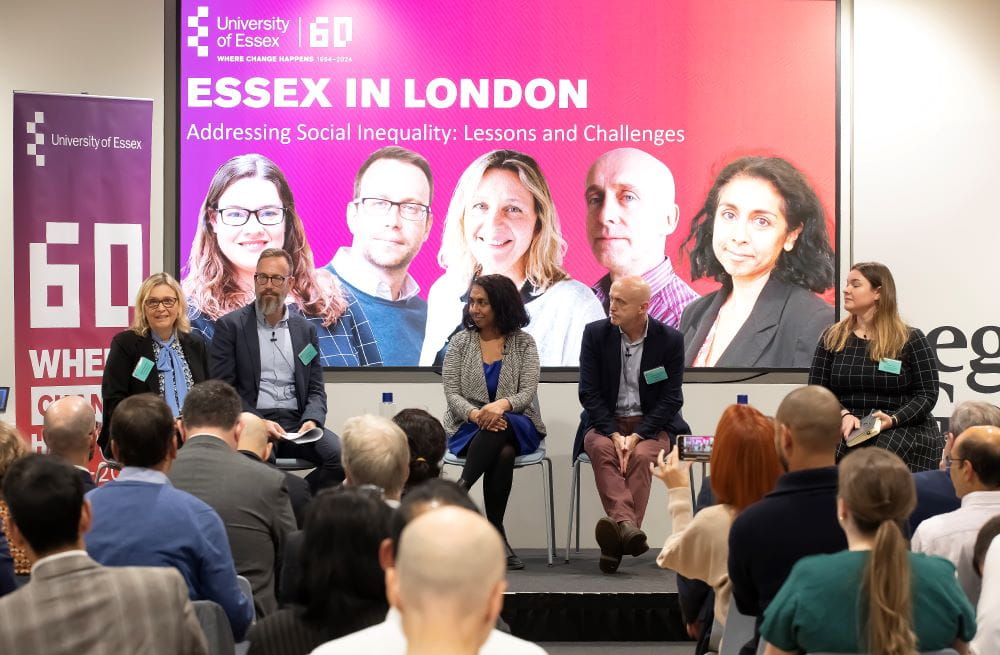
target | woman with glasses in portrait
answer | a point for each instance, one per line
(249, 208)
(159, 354)
(502, 220)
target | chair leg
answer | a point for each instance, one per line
(552, 514)
(548, 511)
(574, 481)
(579, 510)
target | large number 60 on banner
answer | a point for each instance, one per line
(81, 246)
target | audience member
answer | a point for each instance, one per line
(744, 467)
(631, 374)
(343, 588)
(799, 517)
(70, 431)
(986, 560)
(875, 597)
(375, 453)
(252, 500)
(975, 470)
(387, 638)
(935, 490)
(254, 444)
(12, 448)
(426, 438)
(73, 605)
(140, 519)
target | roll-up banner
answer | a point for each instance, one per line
(81, 241)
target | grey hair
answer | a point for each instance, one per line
(973, 412)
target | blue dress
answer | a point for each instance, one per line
(524, 430)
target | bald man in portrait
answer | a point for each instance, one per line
(631, 371)
(630, 213)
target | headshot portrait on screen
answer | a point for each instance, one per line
(762, 234)
(390, 220)
(501, 219)
(630, 213)
(249, 207)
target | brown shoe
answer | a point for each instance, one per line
(610, 541)
(634, 541)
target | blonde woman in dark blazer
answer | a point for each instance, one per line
(490, 381)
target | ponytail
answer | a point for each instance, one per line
(886, 584)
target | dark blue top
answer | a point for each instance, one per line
(398, 325)
(7, 583)
(935, 495)
(148, 524)
(525, 431)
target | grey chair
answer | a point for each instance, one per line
(247, 590)
(574, 503)
(293, 464)
(215, 625)
(739, 630)
(531, 459)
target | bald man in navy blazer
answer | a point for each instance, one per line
(631, 371)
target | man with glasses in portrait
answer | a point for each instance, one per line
(271, 357)
(390, 219)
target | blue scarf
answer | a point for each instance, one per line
(170, 364)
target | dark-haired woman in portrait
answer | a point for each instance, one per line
(762, 234)
(874, 362)
(342, 588)
(876, 596)
(159, 354)
(490, 380)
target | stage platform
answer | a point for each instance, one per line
(575, 602)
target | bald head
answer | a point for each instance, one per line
(253, 436)
(450, 563)
(978, 448)
(630, 210)
(812, 416)
(70, 427)
(632, 288)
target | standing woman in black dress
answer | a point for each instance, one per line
(158, 354)
(874, 362)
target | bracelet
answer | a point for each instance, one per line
(845, 412)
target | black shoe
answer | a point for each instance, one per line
(634, 540)
(609, 539)
(514, 562)
(462, 483)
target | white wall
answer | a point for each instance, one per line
(926, 85)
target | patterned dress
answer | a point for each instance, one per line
(909, 396)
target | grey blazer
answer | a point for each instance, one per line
(252, 501)
(73, 605)
(465, 383)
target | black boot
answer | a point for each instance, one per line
(514, 562)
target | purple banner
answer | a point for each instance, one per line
(81, 241)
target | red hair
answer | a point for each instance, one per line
(744, 463)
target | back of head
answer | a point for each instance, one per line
(342, 580)
(744, 463)
(375, 452)
(878, 491)
(434, 493)
(69, 426)
(12, 446)
(980, 447)
(141, 430)
(812, 416)
(211, 404)
(973, 412)
(45, 498)
(427, 440)
(450, 563)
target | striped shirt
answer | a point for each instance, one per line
(669, 293)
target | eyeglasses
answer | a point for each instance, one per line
(411, 211)
(948, 459)
(263, 279)
(236, 216)
(153, 303)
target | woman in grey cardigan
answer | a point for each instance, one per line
(490, 381)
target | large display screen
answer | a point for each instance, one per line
(399, 149)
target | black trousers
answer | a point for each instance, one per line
(490, 455)
(325, 453)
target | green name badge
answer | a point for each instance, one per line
(142, 369)
(307, 354)
(655, 375)
(887, 365)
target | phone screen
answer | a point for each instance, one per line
(694, 448)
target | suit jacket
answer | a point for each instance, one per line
(73, 605)
(781, 331)
(252, 501)
(298, 489)
(600, 376)
(465, 383)
(935, 495)
(86, 478)
(118, 383)
(234, 357)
